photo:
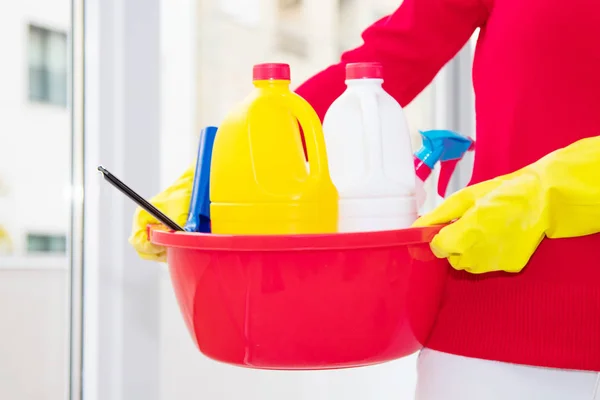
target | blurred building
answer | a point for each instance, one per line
(35, 160)
(35, 133)
(308, 34)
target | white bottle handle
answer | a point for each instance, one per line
(373, 137)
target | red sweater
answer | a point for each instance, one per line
(536, 77)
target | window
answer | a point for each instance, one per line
(291, 30)
(287, 4)
(47, 66)
(42, 243)
(290, 42)
(244, 12)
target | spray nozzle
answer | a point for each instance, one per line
(442, 146)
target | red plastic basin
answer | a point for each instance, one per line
(306, 302)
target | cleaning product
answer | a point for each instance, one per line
(370, 156)
(199, 214)
(260, 182)
(442, 146)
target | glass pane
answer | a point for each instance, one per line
(36, 243)
(46, 243)
(38, 82)
(35, 169)
(37, 41)
(56, 56)
(47, 66)
(57, 87)
(56, 51)
(220, 74)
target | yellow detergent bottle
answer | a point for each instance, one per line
(260, 183)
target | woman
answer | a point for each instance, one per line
(534, 334)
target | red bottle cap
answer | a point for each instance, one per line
(271, 71)
(364, 70)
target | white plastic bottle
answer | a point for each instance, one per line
(370, 156)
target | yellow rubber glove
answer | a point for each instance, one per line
(501, 222)
(174, 202)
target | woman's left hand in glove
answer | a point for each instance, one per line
(498, 224)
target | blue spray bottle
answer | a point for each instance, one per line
(442, 146)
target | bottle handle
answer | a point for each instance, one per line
(372, 128)
(313, 130)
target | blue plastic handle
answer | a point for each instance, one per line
(199, 213)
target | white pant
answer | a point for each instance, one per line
(442, 376)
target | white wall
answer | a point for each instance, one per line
(35, 167)
(33, 333)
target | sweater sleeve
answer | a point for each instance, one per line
(413, 44)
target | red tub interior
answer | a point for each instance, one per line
(306, 302)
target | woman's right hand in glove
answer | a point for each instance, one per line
(174, 202)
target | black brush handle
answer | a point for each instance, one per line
(139, 200)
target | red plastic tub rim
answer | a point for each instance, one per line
(277, 243)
